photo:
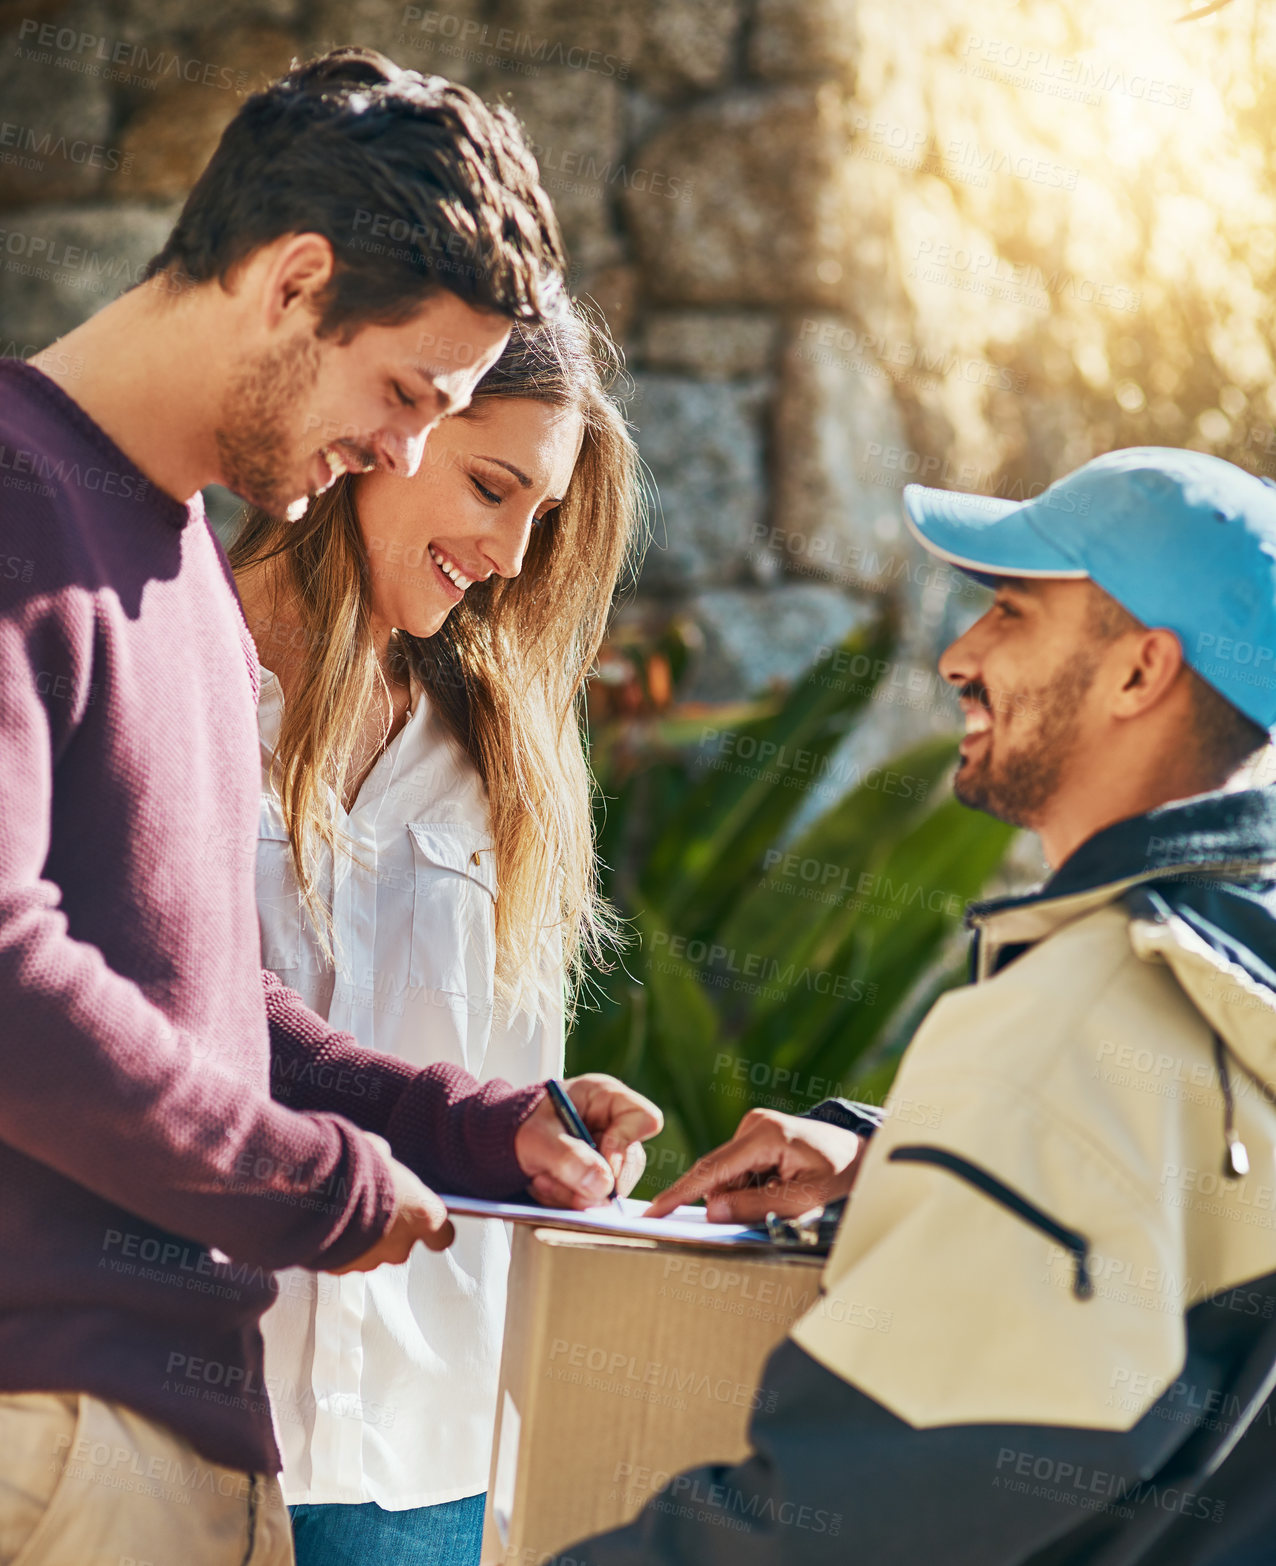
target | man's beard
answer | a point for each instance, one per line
(255, 444)
(1018, 785)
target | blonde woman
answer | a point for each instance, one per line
(426, 877)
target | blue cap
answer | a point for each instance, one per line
(1182, 540)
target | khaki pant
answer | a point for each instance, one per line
(88, 1483)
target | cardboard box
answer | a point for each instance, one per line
(625, 1361)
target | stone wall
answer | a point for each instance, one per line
(691, 150)
(841, 245)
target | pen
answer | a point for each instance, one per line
(574, 1125)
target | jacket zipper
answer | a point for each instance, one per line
(1072, 1240)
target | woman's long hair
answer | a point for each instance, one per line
(506, 670)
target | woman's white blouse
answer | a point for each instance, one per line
(384, 1383)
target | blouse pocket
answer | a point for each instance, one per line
(453, 912)
(278, 898)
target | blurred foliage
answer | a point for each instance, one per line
(745, 986)
(1069, 212)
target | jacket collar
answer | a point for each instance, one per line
(1222, 834)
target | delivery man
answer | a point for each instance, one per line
(1047, 1330)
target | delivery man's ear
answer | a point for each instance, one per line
(1145, 668)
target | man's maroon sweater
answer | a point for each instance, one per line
(149, 1182)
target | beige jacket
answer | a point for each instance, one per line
(1082, 1083)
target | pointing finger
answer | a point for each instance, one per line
(714, 1172)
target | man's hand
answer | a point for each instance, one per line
(418, 1215)
(773, 1164)
(561, 1170)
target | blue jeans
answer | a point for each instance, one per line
(445, 1535)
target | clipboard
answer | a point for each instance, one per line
(812, 1233)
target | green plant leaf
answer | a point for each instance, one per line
(814, 886)
(735, 812)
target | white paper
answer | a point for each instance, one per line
(686, 1224)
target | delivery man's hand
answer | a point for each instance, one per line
(562, 1171)
(774, 1163)
(418, 1215)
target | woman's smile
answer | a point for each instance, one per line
(451, 570)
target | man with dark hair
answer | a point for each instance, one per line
(1047, 1328)
(341, 277)
(411, 228)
